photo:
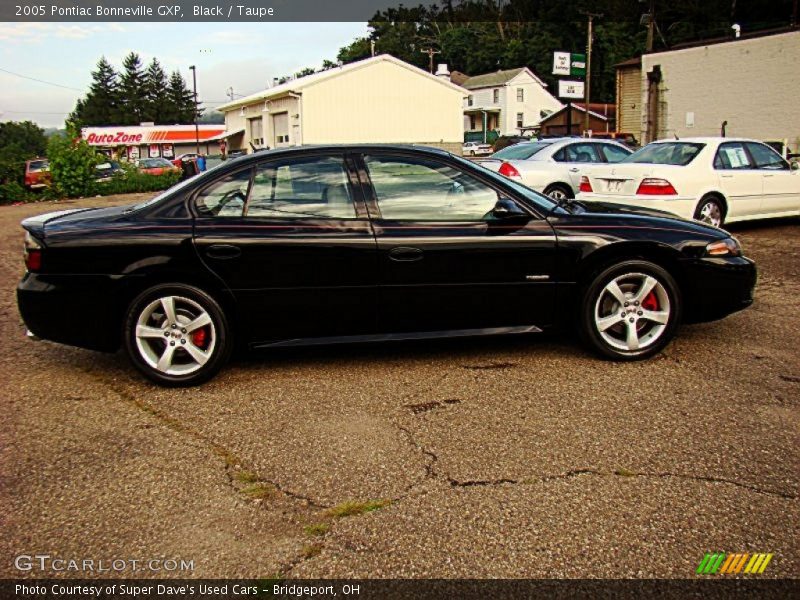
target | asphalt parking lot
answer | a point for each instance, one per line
(523, 457)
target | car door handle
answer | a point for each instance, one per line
(769, 174)
(405, 254)
(727, 176)
(223, 251)
(574, 170)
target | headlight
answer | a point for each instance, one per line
(727, 247)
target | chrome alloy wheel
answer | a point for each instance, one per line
(557, 194)
(711, 213)
(632, 312)
(175, 335)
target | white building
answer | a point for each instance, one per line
(377, 100)
(504, 102)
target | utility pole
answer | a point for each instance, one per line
(651, 26)
(587, 99)
(430, 52)
(196, 126)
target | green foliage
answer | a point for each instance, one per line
(12, 192)
(19, 141)
(134, 182)
(72, 163)
(134, 96)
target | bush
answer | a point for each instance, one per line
(132, 182)
(72, 163)
(13, 192)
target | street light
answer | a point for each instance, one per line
(196, 126)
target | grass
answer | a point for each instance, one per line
(246, 477)
(349, 509)
(312, 550)
(259, 491)
(317, 529)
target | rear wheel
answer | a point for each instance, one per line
(558, 191)
(710, 210)
(630, 311)
(177, 335)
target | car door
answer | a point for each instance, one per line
(739, 179)
(574, 157)
(445, 262)
(781, 184)
(291, 239)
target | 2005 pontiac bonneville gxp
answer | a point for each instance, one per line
(335, 244)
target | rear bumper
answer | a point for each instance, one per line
(681, 206)
(79, 310)
(717, 287)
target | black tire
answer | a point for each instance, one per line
(214, 341)
(653, 336)
(559, 187)
(710, 205)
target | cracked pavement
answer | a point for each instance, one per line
(509, 457)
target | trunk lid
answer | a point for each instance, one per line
(623, 179)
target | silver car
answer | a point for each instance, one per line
(553, 166)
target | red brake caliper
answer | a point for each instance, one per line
(199, 337)
(650, 302)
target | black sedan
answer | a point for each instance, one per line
(339, 244)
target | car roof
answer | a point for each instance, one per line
(706, 140)
(315, 148)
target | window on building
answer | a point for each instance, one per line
(413, 189)
(257, 131)
(520, 95)
(520, 118)
(302, 188)
(472, 122)
(496, 96)
(470, 100)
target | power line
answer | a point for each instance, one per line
(66, 87)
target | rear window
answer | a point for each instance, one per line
(520, 151)
(666, 153)
(36, 166)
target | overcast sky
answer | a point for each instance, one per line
(240, 55)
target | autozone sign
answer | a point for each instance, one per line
(120, 137)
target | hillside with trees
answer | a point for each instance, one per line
(134, 95)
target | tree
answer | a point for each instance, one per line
(132, 93)
(180, 101)
(72, 164)
(155, 93)
(19, 141)
(101, 104)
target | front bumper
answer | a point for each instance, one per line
(678, 205)
(79, 310)
(716, 287)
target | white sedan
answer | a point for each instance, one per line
(553, 166)
(715, 180)
(475, 149)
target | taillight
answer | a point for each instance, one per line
(653, 186)
(586, 185)
(508, 170)
(33, 253)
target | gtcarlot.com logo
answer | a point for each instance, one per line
(721, 563)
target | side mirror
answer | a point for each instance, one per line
(507, 209)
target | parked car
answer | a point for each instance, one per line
(106, 171)
(712, 179)
(37, 173)
(187, 156)
(156, 166)
(553, 166)
(475, 149)
(336, 244)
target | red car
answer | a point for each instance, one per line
(37, 173)
(156, 166)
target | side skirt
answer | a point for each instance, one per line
(387, 337)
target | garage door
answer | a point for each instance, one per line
(280, 127)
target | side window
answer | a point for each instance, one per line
(225, 197)
(613, 153)
(767, 158)
(582, 153)
(413, 189)
(303, 188)
(732, 155)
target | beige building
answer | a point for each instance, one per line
(750, 85)
(377, 100)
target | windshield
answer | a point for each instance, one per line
(666, 153)
(520, 151)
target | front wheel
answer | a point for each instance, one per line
(630, 311)
(711, 211)
(177, 335)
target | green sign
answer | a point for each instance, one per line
(577, 65)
